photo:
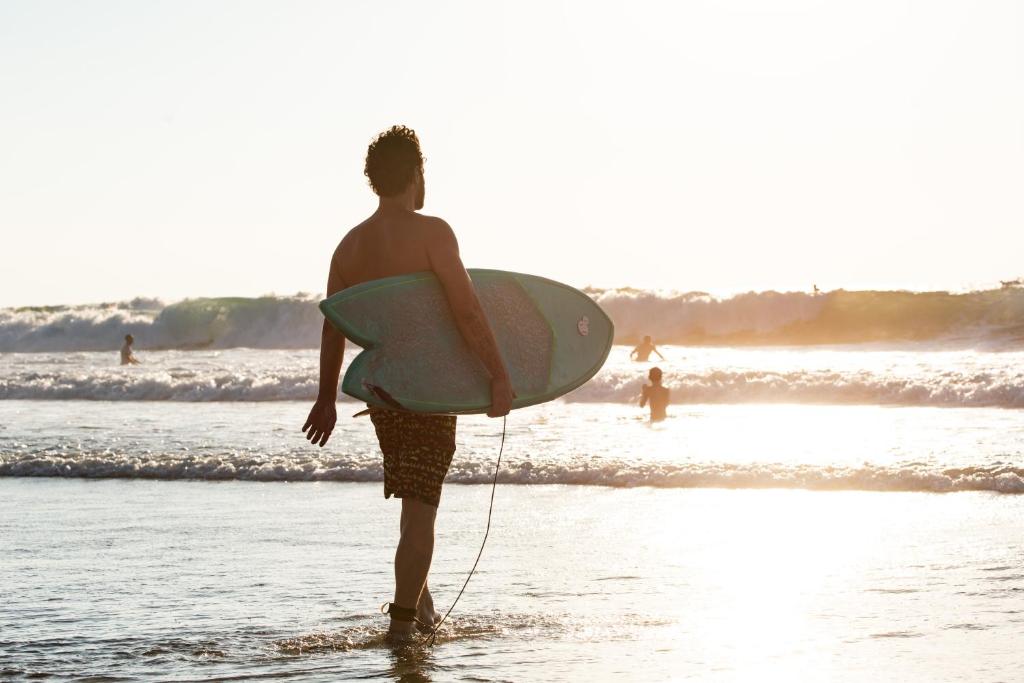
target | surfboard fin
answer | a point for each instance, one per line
(384, 396)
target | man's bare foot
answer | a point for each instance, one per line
(427, 617)
(401, 632)
(426, 622)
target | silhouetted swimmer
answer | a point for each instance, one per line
(644, 350)
(656, 394)
(127, 357)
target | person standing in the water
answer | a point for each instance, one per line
(417, 448)
(655, 394)
(644, 350)
(127, 357)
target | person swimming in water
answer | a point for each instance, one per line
(644, 350)
(127, 357)
(655, 394)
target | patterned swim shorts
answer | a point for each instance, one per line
(417, 450)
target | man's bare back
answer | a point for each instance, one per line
(395, 240)
(390, 242)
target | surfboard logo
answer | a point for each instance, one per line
(583, 326)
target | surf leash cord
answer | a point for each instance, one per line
(490, 511)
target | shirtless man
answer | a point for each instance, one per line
(417, 448)
(644, 349)
(656, 394)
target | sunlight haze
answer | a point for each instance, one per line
(207, 149)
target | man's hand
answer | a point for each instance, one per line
(320, 422)
(501, 397)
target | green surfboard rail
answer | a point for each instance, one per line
(552, 337)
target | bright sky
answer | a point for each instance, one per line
(178, 149)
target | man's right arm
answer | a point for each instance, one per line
(332, 343)
(443, 252)
(323, 415)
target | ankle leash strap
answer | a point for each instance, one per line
(399, 613)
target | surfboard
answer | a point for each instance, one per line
(552, 337)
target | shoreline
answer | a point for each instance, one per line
(1009, 491)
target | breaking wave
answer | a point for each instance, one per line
(1002, 479)
(798, 318)
(288, 378)
(124, 386)
(950, 388)
(269, 322)
(991, 317)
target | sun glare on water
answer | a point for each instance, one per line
(771, 566)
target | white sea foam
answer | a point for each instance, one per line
(614, 473)
(948, 379)
(142, 386)
(721, 386)
(952, 387)
(594, 444)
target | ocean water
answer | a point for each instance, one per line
(841, 418)
(197, 581)
(835, 512)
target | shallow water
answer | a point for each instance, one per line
(157, 580)
(907, 375)
(746, 446)
(838, 514)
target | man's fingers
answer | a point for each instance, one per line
(309, 421)
(323, 439)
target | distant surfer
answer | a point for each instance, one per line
(655, 394)
(644, 350)
(127, 357)
(417, 448)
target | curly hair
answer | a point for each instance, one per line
(392, 159)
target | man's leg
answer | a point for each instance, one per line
(412, 559)
(425, 610)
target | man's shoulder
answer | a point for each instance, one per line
(354, 232)
(430, 229)
(435, 230)
(433, 223)
(430, 224)
(346, 241)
